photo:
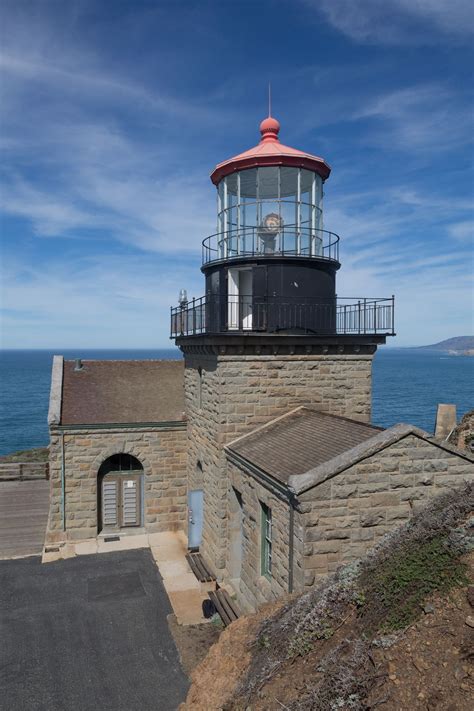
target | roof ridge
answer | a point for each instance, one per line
(266, 426)
(291, 414)
(299, 483)
(368, 425)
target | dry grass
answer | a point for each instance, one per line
(40, 454)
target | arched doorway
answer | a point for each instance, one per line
(120, 493)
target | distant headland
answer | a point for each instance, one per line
(459, 345)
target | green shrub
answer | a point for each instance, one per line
(395, 591)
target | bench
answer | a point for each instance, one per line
(199, 568)
(225, 606)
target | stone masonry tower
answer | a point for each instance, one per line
(270, 333)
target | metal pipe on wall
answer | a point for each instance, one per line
(291, 546)
(63, 484)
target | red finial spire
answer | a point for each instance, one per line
(270, 127)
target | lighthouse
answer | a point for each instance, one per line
(270, 332)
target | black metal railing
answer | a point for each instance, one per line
(288, 241)
(305, 315)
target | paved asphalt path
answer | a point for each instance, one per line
(87, 634)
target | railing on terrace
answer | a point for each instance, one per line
(316, 316)
(23, 471)
(289, 241)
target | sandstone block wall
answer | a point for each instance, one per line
(163, 455)
(236, 393)
(253, 588)
(346, 515)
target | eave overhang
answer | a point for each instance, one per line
(317, 165)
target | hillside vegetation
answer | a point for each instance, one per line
(392, 631)
(39, 454)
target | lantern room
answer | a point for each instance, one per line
(279, 207)
(269, 202)
(271, 266)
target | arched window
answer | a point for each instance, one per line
(120, 492)
(120, 463)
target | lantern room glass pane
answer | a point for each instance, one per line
(220, 207)
(268, 183)
(288, 183)
(248, 184)
(271, 209)
(248, 203)
(288, 212)
(231, 181)
(306, 183)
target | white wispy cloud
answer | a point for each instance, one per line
(385, 250)
(95, 84)
(79, 169)
(462, 231)
(421, 117)
(90, 302)
(394, 22)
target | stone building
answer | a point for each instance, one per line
(331, 487)
(261, 446)
(118, 446)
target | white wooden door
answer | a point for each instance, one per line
(130, 502)
(110, 493)
(233, 300)
(245, 300)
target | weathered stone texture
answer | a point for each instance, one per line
(163, 454)
(346, 515)
(253, 588)
(235, 393)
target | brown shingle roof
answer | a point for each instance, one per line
(300, 441)
(122, 391)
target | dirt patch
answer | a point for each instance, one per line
(393, 631)
(216, 678)
(431, 667)
(193, 641)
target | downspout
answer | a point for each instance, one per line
(63, 484)
(291, 544)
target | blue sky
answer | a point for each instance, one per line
(114, 113)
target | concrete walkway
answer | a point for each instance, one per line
(184, 590)
(168, 549)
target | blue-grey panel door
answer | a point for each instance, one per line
(195, 516)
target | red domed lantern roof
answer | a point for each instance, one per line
(270, 152)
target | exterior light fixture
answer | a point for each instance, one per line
(270, 227)
(272, 224)
(183, 298)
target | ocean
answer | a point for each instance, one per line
(407, 386)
